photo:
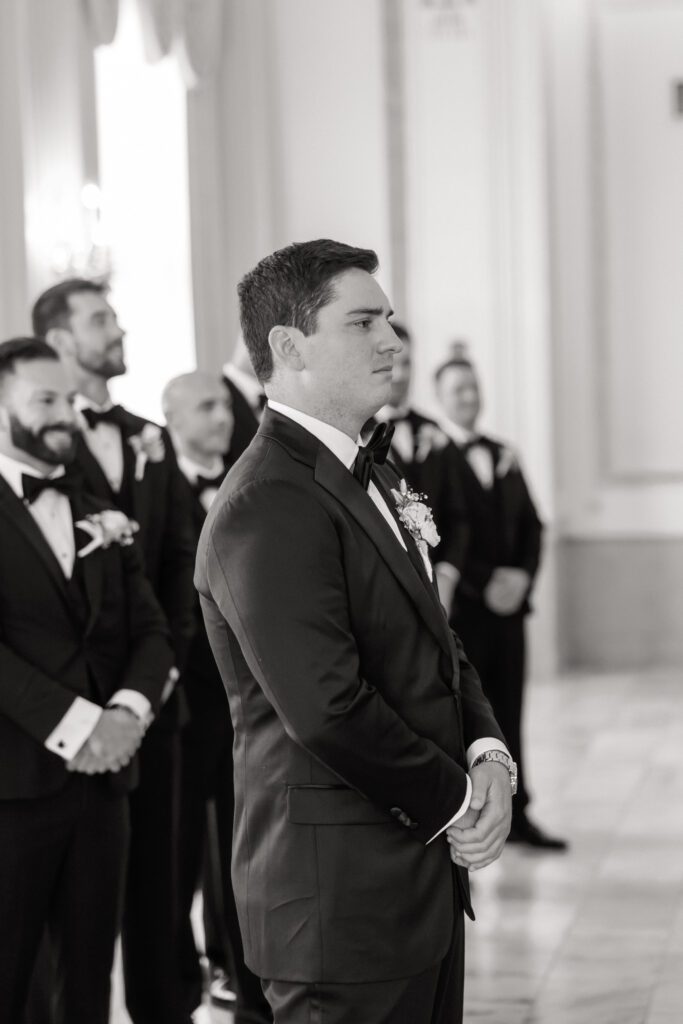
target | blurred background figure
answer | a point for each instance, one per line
(246, 395)
(492, 598)
(84, 656)
(129, 462)
(199, 413)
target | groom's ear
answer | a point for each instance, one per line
(283, 343)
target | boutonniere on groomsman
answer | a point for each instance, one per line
(84, 655)
(493, 595)
(129, 463)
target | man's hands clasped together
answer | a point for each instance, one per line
(478, 837)
(111, 745)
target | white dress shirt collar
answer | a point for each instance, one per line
(389, 413)
(457, 433)
(339, 443)
(13, 470)
(248, 385)
(192, 469)
(82, 402)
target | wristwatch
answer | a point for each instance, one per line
(502, 758)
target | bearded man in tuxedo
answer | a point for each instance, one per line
(129, 461)
(366, 758)
(198, 410)
(84, 654)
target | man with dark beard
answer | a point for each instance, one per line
(128, 461)
(84, 654)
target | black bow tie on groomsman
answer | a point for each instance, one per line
(33, 486)
(116, 415)
(204, 483)
(374, 452)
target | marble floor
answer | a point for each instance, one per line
(594, 936)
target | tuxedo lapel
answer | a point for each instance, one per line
(21, 519)
(95, 478)
(338, 481)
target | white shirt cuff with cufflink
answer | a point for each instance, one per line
(67, 738)
(135, 702)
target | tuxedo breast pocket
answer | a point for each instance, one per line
(332, 805)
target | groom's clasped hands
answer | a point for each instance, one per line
(478, 837)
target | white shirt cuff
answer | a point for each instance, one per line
(463, 807)
(448, 570)
(481, 746)
(74, 729)
(135, 702)
(473, 752)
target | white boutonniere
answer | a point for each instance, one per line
(418, 519)
(147, 445)
(105, 528)
(429, 439)
(507, 461)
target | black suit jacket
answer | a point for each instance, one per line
(51, 652)
(246, 423)
(353, 705)
(160, 504)
(504, 526)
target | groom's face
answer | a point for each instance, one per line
(349, 358)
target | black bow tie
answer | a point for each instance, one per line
(115, 415)
(475, 442)
(375, 451)
(203, 483)
(33, 486)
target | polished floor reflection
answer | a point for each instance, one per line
(594, 936)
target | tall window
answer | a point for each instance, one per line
(145, 199)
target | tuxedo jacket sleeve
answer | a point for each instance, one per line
(306, 660)
(36, 701)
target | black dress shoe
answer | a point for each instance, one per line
(530, 835)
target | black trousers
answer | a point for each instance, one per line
(496, 646)
(62, 865)
(433, 997)
(207, 783)
(150, 932)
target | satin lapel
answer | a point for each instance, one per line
(92, 566)
(95, 480)
(19, 516)
(338, 481)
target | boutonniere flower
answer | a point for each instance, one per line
(429, 439)
(105, 528)
(147, 445)
(506, 462)
(418, 519)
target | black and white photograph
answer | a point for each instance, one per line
(341, 511)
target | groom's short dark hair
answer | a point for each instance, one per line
(289, 287)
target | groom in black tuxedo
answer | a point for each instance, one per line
(84, 653)
(369, 769)
(129, 461)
